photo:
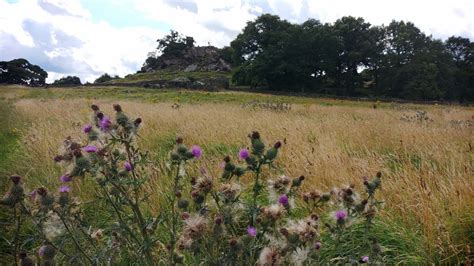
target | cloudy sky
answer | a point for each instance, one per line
(89, 37)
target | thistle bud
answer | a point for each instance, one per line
(271, 153)
(255, 135)
(137, 122)
(239, 171)
(325, 197)
(277, 145)
(227, 159)
(47, 252)
(179, 140)
(42, 191)
(183, 203)
(177, 193)
(15, 179)
(218, 220)
(95, 108)
(25, 260)
(185, 215)
(58, 158)
(284, 232)
(117, 107)
(100, 115)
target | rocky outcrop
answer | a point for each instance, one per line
(200, 58)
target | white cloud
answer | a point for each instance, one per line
(67, 41)
(64, 37)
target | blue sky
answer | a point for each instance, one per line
(87, 38)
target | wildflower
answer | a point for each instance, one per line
(33, 195)
(65, 178)
(244, 154)
(105, 124)
(340, 216)
(269, 256)
(283, 200)
(128, 166)
(364, 259)
(317, 245)
(90, 149)
(97, 234)
(196, 151)
(251, 231)
(87, 128)
(15, 179)
(53, 226)
(47, 252)
(64, 189)
(272, 212)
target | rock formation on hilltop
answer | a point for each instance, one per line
(20, 71)
(196, 58)
(178, 53)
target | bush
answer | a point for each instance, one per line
(203, 219)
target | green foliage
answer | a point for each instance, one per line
(20, 71)
(174, 43)
(353, 58)
(105, 78)
(68, 81)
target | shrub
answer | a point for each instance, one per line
(267, 220)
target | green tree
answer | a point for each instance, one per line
(20, 71)
(462, 52)
(68, 81)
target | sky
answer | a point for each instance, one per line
(87, 38)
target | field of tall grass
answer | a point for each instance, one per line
(427, 161)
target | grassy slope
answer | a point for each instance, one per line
(167, 75)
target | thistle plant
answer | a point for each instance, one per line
(251, 213)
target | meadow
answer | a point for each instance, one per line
(426, 158)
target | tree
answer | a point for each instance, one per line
(104, 78)
(357, 47)
(68, 81)
(174, 44)
(462, 52)
(20, 71)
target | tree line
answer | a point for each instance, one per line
(351, 57)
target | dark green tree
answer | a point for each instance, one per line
(20, 71)
(462, 52)
(68, 81)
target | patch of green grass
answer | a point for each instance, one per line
(166, 75)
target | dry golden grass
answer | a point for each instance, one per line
(428, 182)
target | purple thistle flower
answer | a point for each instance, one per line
(33, 195)
(196, 151)
(105, 124)
(283, 200)
(244, 154)
(128, 166)
(251, 231)
(364, 259)
(64, 189)
(87, 128)
(317, 245)
(65, 178)
(90, 149)
(341, 215)
(41, 251)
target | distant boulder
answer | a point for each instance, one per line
(20, 71)
(68, 81)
